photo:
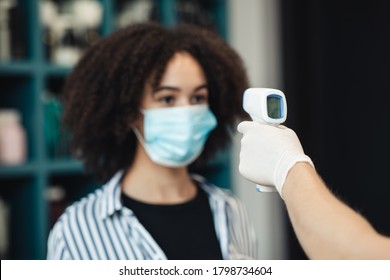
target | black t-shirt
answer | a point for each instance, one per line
(183, 231)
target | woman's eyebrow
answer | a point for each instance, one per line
(172, 88)
(161, 88)
(201, 87)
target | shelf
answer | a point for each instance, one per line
(61, 166)
(17, 68)
(25, 67)
(17, 170)
(56, 70)
(65, 166)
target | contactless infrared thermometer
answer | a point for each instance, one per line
(268, 106)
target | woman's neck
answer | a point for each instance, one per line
(149, 182)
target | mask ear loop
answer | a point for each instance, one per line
(139, 137)
(138, 134)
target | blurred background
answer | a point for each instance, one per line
(331, 59)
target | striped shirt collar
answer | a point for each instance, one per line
(111, 198)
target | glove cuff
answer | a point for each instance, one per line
(285, 164)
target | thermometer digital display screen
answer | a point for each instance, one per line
(274, 106)
(265, 105)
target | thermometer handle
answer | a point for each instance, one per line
(261, 188)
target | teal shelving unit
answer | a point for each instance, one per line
(23, 81)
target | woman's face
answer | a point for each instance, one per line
(176, 135)
(183, 83)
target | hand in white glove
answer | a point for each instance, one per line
(268, 153)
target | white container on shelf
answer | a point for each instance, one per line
(13, 145)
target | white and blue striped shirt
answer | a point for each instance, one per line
(100, 227)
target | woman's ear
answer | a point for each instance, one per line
(138, 123)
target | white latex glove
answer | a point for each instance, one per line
(268, 153)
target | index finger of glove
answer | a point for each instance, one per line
(244, 126)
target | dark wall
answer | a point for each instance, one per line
(337, 82)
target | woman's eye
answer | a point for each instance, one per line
(201, 98)
(166, 99)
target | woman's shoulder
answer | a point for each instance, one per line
(214, 191)
(94, 205)
(96, 201)
(89, 203)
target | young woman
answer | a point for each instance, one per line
(143, 104)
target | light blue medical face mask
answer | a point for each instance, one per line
(175, 136)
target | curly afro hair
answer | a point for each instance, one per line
(102, 95)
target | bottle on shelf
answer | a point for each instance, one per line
(12, 138)
(68, 51)
(69, 28)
